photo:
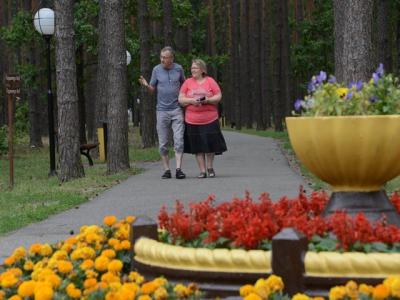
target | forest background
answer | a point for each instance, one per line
(262, 52)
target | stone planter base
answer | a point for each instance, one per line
(373, 204)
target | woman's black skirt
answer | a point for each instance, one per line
(206, 138)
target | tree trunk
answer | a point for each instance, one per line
(357, 45)
(255, 59)
(67, 95)
(235, 63)
(101, 97)
(383, 31)
(338, 12)
(117, 116)
(80, 81)
(244, 65)
(211, 45)
(148, 122)
(167, 14)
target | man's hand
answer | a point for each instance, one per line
(143, 81)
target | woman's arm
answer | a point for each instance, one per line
(214, 99)
(185, 101)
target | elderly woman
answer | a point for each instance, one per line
(200, 95)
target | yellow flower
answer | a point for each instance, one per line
(275, 283)
(342, 92)
(395, 288)
(101, 263)
(43, 291)
(182, 291)
(8, 280)
(64, 266)
(110, 277)
(252, 296)
(45, 250)
(15, 297)
(136, 277)
(352, 289)
(2, 295)
(380, 292)
(27, 288)
(86, 264)
(109, 220)
(337, 292)
(110, 253)
(246, 290)
(160, 293)
(125, 245)
(28, 265)
(115, 266)
(72, 291)
(365, 289)
(160, 281)
(112, 242)
(60, 255)
(90, 282)
(144, 297)
(300, 296)
(19, 252)
(91, 274)
(262, 289)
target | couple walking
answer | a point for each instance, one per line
(195, 131)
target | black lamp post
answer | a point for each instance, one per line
(44, 24)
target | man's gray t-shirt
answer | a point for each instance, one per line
(168, 83)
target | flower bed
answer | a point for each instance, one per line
(95, 264)
(246, 224)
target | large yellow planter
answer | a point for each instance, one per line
(351, 153)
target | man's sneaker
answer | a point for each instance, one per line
(166, 175)
(179, 174)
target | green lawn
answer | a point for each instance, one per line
(35, 196)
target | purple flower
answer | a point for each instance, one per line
(375, 77)
(349, 95)
(358, 85)
(298, 104)
(380, 70)
(332, 79)
(311, 86)
(321, 77)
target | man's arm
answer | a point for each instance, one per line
(143, 82)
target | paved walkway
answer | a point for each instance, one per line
(252, 163)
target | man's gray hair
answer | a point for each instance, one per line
(169, 49)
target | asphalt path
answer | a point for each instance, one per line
(253, 164)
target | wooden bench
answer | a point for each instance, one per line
(85, 150)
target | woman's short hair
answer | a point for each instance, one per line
(201, 64)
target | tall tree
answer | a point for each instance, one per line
(117, 106)
(357, 43)
(211, 46)
(338, 12)
(67, 95)
(148, 122)
(383, 47)
(167, 22)
(244, 65)
(235, 63)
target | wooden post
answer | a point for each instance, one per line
(288, 251)
(10, 138)
(12, 88)
(142, 227)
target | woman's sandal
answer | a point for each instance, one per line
(211, 173)
(202, 175)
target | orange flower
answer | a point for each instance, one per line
(252, 296)
(101, 263)
(64, 266)
(130, 219)
(148, 287)
(110, 220)
(380, 292)
(115, 266)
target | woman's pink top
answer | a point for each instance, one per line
(205, 113)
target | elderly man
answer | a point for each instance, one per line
(167, 78)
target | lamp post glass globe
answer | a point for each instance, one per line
(44, 21)
(128, 57)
